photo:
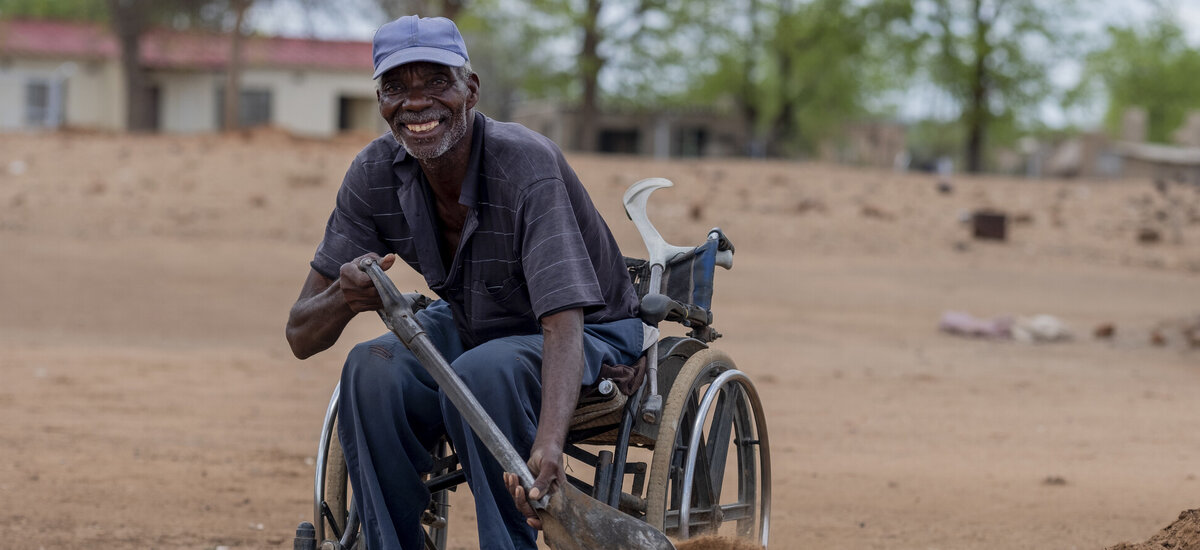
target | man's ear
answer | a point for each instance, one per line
(378, 96)
(472, 90)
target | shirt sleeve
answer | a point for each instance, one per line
(350, 231)
(558, 270)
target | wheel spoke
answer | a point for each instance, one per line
(717, 447)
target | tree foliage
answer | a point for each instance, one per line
(1152, 68)
(74, 10)
(796, 70)
(993, 59)
(604, 43)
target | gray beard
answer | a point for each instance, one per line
(426, 151)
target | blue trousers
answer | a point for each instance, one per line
(391, 414)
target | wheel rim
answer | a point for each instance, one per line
(715, 408)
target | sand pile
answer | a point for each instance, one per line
(1184, 534)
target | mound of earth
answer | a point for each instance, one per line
(1184, 534)
(714, 542)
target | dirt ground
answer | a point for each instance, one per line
(149, 400)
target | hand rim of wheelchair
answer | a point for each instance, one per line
(714, 390)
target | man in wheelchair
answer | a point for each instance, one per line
(534, 293)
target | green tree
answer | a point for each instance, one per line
(796, 71)
(597, 53)
(76, 10)
(1151, 67)
(993, 58)
(394, 9)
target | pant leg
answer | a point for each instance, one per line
(388, 418)
(505, 377)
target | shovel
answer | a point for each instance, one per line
(570, 519)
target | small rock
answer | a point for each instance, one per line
(1148, 235)
(810, 205)
(1105, 331)
(1191, 333)
(871, 211)
(1157, 338)
(1054, 480)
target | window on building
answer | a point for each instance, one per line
(254, 107)
(358, 114)
(37, 103)
(619, 141)
(692, 142)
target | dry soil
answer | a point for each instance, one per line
(149, 400)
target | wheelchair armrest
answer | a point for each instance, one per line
(657, 308)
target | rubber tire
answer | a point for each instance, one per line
(337, 483)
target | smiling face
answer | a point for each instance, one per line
(428, 107)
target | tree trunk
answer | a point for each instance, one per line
(451, 8)
(978, 113)
(233, 71)
(394, 9)
(589, 68)
(757, 140)
(128, 21)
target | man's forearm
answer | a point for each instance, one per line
(318, 318)
(562, 375)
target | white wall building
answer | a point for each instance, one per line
(65, 74)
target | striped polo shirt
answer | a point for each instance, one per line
(533, 242)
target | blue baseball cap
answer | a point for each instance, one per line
(412, 38)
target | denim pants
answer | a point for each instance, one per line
(391, 413)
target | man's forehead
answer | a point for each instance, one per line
(418, 68)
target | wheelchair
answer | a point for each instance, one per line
(687, 452)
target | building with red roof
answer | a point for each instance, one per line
(68, 74)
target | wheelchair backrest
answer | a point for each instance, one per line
(687, 279)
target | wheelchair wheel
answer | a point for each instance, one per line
(712, 429)
(337, 485)
(337, 521)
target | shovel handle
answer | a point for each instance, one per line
(398, 316)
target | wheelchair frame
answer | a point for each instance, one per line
(712, 411)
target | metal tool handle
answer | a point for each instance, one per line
(398, 316)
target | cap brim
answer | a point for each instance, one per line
(419, 53)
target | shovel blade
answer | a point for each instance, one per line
(575, 521)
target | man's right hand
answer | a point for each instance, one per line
(325, 307)
(357, 287)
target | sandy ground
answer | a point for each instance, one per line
(149, 400)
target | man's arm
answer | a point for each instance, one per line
(562, 378)
(326, 306)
